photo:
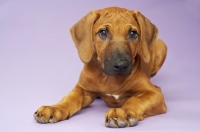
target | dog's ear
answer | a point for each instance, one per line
(81, 34)
(148, 34)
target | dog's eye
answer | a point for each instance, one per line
(103, 34)
(133, 34)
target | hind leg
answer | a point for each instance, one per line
(158, 55)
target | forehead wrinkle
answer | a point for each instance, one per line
(107, 16)
(118, 21)
(120, 18)
(126, 15)
(116, 15)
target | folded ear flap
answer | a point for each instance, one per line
(148, 34)
(81, 34)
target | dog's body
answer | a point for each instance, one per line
(120, 51)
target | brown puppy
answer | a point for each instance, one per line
(120, 51)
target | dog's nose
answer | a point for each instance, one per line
(120, 65)
(118, 62)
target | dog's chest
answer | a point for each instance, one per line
(113, 100)
(115, 96)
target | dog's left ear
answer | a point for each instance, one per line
(81, 34)
(148, 34)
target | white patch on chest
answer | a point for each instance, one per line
(113, 95)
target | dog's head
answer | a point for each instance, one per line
(116, 36)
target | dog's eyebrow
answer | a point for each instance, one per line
(131, 27)
(105, 26)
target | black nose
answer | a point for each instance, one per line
(120, 65)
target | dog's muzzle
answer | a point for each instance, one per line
(118, 63)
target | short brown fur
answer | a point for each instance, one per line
(130, 97)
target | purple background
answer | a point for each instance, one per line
(39, 63)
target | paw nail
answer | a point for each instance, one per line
(128, 117)
(106, 120)
(51, 117)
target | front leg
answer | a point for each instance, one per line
(146, 103)
(70, 104)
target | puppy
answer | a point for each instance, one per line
(121, 52)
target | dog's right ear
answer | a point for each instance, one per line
(81, 34)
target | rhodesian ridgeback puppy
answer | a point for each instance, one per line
(121, 52)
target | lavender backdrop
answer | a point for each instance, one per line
(39, 63)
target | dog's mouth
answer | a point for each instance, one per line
(118, 70)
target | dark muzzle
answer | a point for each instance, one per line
(118, 63)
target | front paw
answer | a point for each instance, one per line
(48, 114)
(118, 118)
